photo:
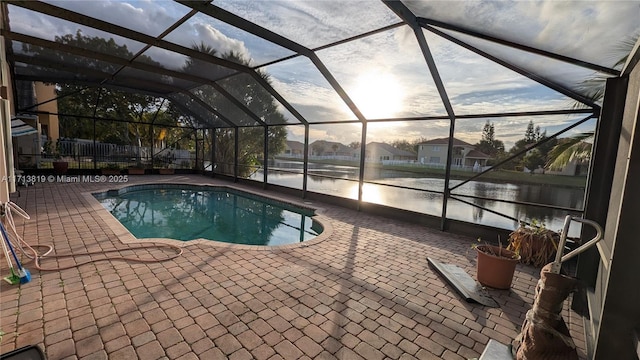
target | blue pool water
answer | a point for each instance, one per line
(219, 214)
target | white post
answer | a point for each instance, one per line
(5, 118)
(4, 174)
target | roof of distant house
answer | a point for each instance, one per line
(328, 146)
(475, 154)
(295, 145)
(445, 141)
(391, 149)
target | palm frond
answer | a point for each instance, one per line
(625, 47)
(592, 89)
(573, 148)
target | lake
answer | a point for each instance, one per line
(430, 202)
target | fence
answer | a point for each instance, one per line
(85, 154)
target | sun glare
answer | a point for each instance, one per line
(377, 96)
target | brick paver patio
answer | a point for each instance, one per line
(364, 292)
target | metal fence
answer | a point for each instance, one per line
(85, 154)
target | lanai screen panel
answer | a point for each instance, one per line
(486, 87)
(223, 105)
(191, 107)
(386, 75)
(258, 99)
(302, 84)
(182, 63)
(163, 58)
(60, 58)
(29, 71)
(586, 30)
(50, 28)
(74, 66)
(148, 17)
(165, 83)
(314, 23)
(226, 41)
(569, 76)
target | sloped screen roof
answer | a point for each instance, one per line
(327, 61)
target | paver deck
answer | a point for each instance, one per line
(364, 292)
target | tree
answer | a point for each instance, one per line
(533, 160)
(335, 148)
(403, 144)
(532, 135)
(566, 150)
(257, 99)
(489, 144)
(318, 149)
(97, 102)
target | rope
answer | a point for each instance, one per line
(536, 321)
(10, 207)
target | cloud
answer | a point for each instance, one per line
(583, 29)
(223, 44)
(576, 27)
(314, 23)
(587, 30)
(142, 16)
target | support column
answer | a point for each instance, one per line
(599, 182)
(616, 335)
(305, 165)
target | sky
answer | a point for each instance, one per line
(385, 74)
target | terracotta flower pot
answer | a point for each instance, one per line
(135, 171)
(60, 167)
(165, 171)
(495, 270)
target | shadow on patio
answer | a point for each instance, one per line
(365, 292)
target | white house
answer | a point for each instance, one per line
(464, 154)
(293, 148)
(379, 152)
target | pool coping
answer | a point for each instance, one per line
(126, 237)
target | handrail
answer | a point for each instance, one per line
(555, 266)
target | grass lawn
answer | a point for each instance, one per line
(497, 175)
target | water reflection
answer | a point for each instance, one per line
(215, 215)
(431, 202)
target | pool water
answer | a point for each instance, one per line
(215, 214)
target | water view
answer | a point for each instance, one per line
(423, 195)
(221, 215)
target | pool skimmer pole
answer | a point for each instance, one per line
(23, 276)
(13, 278)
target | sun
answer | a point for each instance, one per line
(377, 95)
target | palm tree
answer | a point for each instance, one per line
(573, 148)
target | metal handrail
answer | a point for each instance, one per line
(556, 265)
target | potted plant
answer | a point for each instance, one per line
(169, 170)
(535, 243)
(135, 170)
(166, 163)
(110, 169)
(496, 265)
(60, 166)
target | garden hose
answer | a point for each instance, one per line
(33, 254)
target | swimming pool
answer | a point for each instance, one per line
(189, 212)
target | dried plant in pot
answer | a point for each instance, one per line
(536, 244)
